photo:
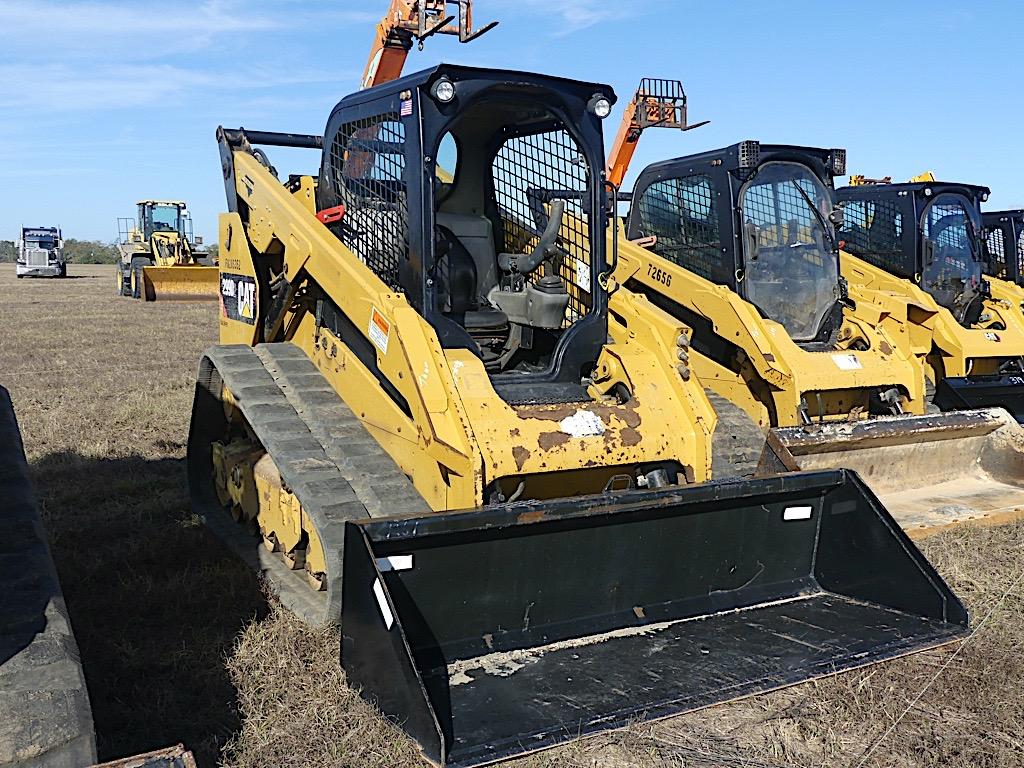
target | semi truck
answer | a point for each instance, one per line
(40, 253)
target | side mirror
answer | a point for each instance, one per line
(837, 217)
(199, 241)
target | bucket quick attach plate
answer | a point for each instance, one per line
(999, 391)
(498, 632)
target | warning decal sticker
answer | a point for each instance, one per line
(380, 330)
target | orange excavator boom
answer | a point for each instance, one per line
(409, 21)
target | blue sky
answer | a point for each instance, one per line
(105, 102)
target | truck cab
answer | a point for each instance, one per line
(40, 253)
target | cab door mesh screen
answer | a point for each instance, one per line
(873, 231)
(1020, 256)
(368, 158)
(681, 214)
(996, 249)
(526, 165)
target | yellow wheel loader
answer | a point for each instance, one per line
(157, 257)
(920, 244)
(425, 422)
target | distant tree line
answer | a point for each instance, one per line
(77, 251)
(84, 251)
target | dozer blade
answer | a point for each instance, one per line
(930, 471)
(502, 631)
(185, 282)
(998, 391)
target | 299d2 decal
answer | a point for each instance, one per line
(238, 298)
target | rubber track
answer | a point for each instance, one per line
(324, 454)
(45, 716)
(737, 442)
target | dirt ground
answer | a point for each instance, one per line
(179, 642)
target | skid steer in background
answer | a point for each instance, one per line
(920, 243)
(416, 406)
(741, 246)
(157, 256)
(1003, 232)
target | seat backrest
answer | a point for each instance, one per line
(476, 233)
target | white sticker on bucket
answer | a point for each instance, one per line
(797, 513)
(382, 603)
(394, 563)
(582, 424)
(847, 362)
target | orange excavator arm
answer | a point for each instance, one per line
(409, 21)
(657, 104)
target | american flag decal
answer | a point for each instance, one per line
(406, 107)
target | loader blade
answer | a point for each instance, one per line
(181, 283)
(930, 471)
(998, 391)
(492, 633)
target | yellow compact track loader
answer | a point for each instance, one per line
(920, 244)
(740, 245)
(425, 423)
(157, 256)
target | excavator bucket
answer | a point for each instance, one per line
(997, 391)
(185, 282)
(930, 471)
(492, 633)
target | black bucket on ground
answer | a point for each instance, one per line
(498, 632)
(996, 391)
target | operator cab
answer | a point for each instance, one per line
(1003, 234)
(928, 233)
(756, 218)
(443, 181)
(157, 216)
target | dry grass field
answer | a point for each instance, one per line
(179, 642)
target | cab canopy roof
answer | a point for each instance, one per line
(970, 191)
(177, 203)
(456, 72)
(749, 154)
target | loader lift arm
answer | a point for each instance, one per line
(409, 21)
(657, 104)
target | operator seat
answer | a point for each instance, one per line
(457, 277)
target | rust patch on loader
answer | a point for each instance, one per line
(520, 454)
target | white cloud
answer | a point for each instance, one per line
(39, 23)
(574, 15)
(60, 87)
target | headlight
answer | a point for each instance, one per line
(600, 105)
(443, 90)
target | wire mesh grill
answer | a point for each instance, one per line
(781, 214)
(873, 231)
(946, 224)
(527, 165)
(1020, 256)
(995, 247)
(681, 214)
(368, 157)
